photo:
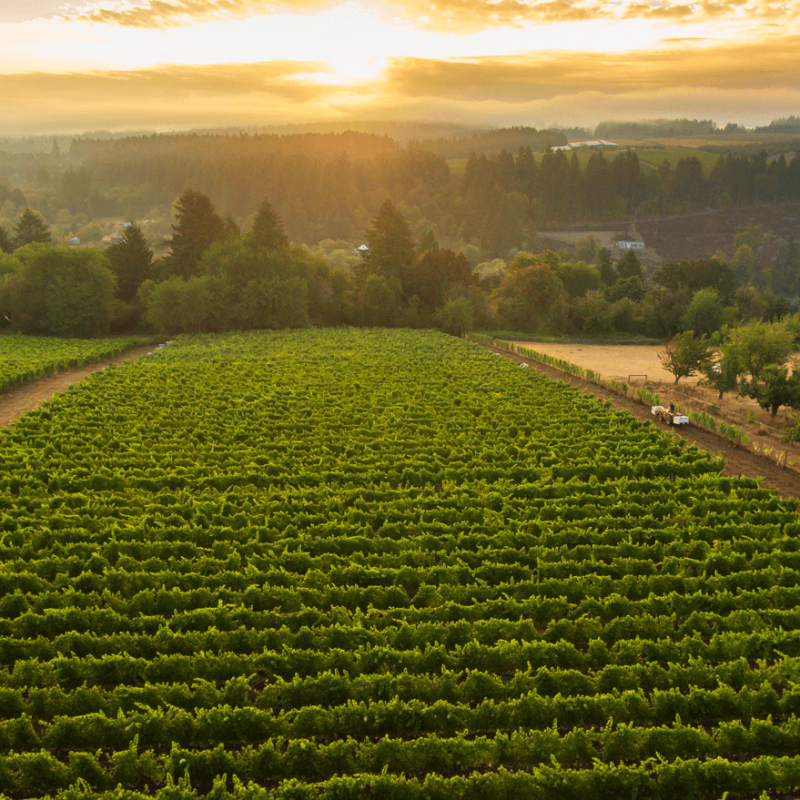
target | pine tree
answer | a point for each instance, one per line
(30, 228)
(268, 231)
(198, 227)
(629, 266)
(391, 246)
(6, 245)
(131, 261)
(608, 272)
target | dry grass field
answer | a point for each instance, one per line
(623, 362)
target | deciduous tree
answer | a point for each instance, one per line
(685, 355)
(530, 294)
(64, 291)
(704, 314)
(757, 345)
(456, 316)
(775, 388)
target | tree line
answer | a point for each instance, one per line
(216, 277)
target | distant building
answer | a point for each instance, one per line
(626, 244)
(594, 144)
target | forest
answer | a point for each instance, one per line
(329, 186)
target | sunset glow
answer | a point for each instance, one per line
(172, 63)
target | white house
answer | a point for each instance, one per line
(624, 244)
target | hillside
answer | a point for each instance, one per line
(702, 235)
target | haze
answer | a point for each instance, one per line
(68, 67)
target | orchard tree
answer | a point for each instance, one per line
(31, 228)
(391, 245)
(757, 345)
(685, 355)
(197, 227)
(131, 261)
(775, 389)
(722, 373)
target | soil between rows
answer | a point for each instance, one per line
(18, 401)
(738, 461)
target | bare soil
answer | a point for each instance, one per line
(622, 361)
(21, 399)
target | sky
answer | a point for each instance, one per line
(68, 67)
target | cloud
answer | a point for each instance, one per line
(473, 15)
(171, 13)
(749, 83)
(164, 96)
(521, 78)
(461, 16)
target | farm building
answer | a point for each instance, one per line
(594, 144)
(626, 244)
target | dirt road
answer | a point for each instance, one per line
(738, 461)
(18, 401)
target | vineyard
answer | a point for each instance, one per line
(351, 564)
(23, 358)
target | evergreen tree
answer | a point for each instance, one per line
(30, 228)
(131, 261)
(391, 246)
(629, 266)
(427, 241)
(268, 230)
(526, 170)
(597, 191)
(608, 272)
(6, 245)
(505, 171)
(198, 227)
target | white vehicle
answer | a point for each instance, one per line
(668, 415)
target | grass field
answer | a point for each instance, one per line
(24, 358)
(350, 563)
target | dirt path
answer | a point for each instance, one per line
(738, 461)
(17, 401)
